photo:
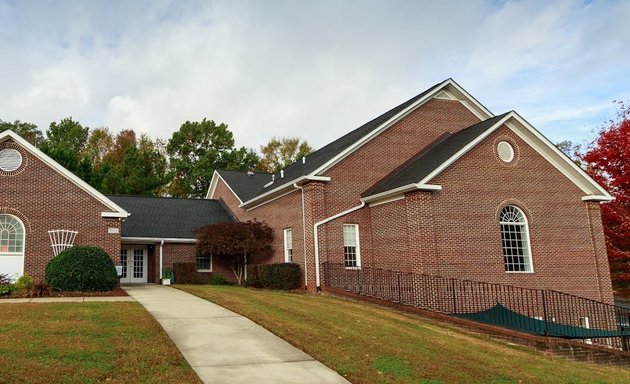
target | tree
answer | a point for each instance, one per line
(236, 243)
(64, 143)
(133, 167)
(27, 131)
(196, 150)
(607, 160)
(278, 153)
(99, 144)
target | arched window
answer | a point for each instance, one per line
(515, 237)
(11, 245)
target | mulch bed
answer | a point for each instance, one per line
(114, 292)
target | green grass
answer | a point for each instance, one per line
(87, 343)
(369, 344)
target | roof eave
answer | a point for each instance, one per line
(401, 190)
(261, 199)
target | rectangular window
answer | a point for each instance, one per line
(351, 249)
(204, 263)
(288, 245)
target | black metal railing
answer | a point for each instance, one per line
(535, 311)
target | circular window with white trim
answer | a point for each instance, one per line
(505, 151)
(10, 159)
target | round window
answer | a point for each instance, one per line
(10, 159)
(505, 151)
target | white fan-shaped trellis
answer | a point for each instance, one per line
(61, 239)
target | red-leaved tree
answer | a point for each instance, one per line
(607, 160)
(236, 244)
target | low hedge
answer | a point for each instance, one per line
(186, 273)
(274, 276)
(82, 268)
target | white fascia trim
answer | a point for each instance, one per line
(597, 198)
(118, 211)
(157, 240)
(115, 214)
(213, 186)
(464, 150)
(300, 180)
(403, 189)
(387, 200)
(465, 98)
(587, 184)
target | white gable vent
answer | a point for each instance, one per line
(505, 151)
(444, 96)
(10, 159)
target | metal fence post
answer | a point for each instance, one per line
(399, 292)
(454, 298)
(544, 304)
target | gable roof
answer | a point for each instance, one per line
(416, 175)
(327, 156)
(115, 210)
(168, 217)
(430, 158)
(245, 185)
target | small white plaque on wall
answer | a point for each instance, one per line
(113, 230)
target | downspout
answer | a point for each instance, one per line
(161, 257)
(316, 238)
(303, 236)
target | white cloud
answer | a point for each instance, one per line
(309, 69)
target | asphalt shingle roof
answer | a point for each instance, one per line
(430, 158)
(247, 187)
(167, 217)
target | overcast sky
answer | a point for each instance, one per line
(313, 69)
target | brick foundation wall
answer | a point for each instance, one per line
(45, 200)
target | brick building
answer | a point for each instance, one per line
(436, 185)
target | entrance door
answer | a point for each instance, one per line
(134, 264)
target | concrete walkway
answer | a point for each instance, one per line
(224, 347)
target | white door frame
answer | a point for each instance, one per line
(135, 269)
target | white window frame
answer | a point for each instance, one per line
(288, 245)
(20, 253)
(524, 225)
(357, 246)
(197, 264)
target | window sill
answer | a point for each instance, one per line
(520, 272)
(353, 268)
(204, 270)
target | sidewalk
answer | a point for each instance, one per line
(224, 347)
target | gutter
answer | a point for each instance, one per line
(303, 235)
(316, 238)
(271, 192)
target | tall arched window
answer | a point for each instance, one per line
(515, 236)
(11, 245)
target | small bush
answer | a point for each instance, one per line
(274, 276)
(186, 273)
(167, 273)
(5, 289)
(40, 289)
(24, 283)
(82, 269)
(219, 280)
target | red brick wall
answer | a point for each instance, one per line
(44, 200)
(568, 251)
(186, 253)
(454, 232)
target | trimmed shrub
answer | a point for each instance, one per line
(24, 283)
(186, 273)
(274, 276)
(82, 269)
(219, 280)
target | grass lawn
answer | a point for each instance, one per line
(115, 342)
(369, 344)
